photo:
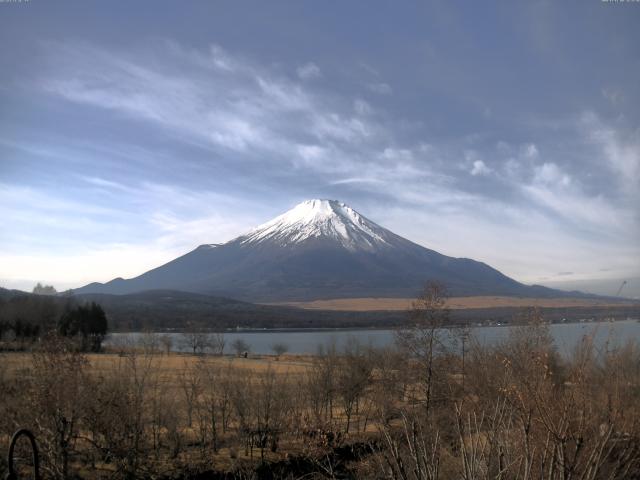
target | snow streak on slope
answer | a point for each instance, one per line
(327, 219)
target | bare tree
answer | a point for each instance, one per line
(117, 415)
(58, 388)
(353, 377)
(410, 454)
(190, 385)
(270, 409)
(321, 384)
(423, 339)
(195, 340)
(167, 342)
(261, 405)
(240, 346)
(240, 395)
(279, 348)
(208, 403)
(149, 342)
(224, 396)
(217, 343)
(389, 389)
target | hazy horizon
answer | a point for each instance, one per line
(506, 134)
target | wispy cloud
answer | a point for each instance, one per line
(257, 126)
(107, 184)
(308, 71)
(380, 88)
(619, 149)
(479, 168)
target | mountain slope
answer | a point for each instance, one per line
(319, 249)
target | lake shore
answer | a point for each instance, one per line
(307, 341)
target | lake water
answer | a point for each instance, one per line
(565, 335)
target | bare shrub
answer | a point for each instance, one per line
(209, 404)
(118, 417)
(189, 381)
(353, 377)
(217, 342)
(270, 410)
(240, 346)
(195, 341)
(166, 341)
(58, 389)
(149, 343)
(320, 385)
(409, 454)
(279, 348)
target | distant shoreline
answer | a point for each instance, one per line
(367, 328)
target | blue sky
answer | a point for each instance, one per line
(131, 132)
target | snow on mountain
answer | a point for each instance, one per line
(314, 219)
(317, 250)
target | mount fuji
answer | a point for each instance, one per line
(320, 249)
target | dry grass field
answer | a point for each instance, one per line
(357, 412)
(175, 364)
(168, 381)
(455, 303)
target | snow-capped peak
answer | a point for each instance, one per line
(318, 219)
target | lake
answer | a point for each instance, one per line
(565, 335)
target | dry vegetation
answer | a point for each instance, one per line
(454, 303)
(418, 411)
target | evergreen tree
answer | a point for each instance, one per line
(88, 322)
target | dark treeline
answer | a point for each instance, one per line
(421, 410)
(159, 310)
(163, 310)
(26, 318)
